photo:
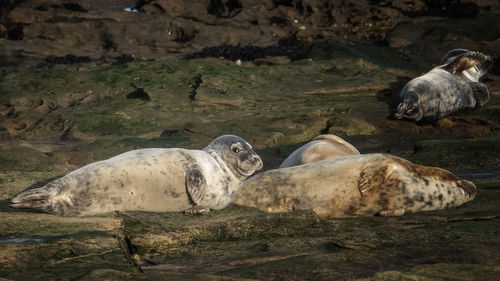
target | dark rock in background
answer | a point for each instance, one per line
(151, 29)
(81, 81)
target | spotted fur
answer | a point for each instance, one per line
(153, 179)
(450, 87)
(356, 185)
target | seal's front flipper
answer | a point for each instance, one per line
(196, 185)
(197, 210)
(467, 60)
(374, 179)
(392, 213)
(480, 92)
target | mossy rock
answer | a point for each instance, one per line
(38, 246)
(242, 242)
(466, 154)
(441, 271)
(53, 121)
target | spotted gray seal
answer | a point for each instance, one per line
(447, 88)
(357, 185)
(320, 148)
(153, 179)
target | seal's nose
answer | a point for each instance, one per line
(468, 187)
(256, 159)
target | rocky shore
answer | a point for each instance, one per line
(81, 81)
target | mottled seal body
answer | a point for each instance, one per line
(320, 148)
(447, 88)
(358, 185)
(153, 179)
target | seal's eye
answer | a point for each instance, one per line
(237, 147)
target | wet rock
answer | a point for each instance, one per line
(3, 31)
(123, 59)
(205, 98)
(426, 42)
(20, 161)
(68, 59)
(67, 248)
(245, 53)
(55, 120)
(457, 9)
(436, 271)
(465, 155)
(243, 243)
(60, 28)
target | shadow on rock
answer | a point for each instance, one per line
(243, 53)
(390, 95)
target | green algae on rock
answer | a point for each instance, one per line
(465, 155)
(55, 120)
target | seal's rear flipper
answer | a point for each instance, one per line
(452, 54)
(468, 60)
(37, 194)
(41, 198)
(480, 92)
(41, 205)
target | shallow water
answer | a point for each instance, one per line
(23, 240)
(479, 175)
(42, 239)
(114, 7)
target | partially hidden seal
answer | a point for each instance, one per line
(153, 179)
(320, 148)
(447, 88)
(358, 185)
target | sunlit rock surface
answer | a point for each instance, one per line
(92, 105)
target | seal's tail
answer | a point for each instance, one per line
(37, 198)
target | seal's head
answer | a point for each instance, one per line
(409, 108)
(451, 191)
(237, 155)
(430, 186)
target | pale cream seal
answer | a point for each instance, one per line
(153, 179)
(357, 185)
(320, 148)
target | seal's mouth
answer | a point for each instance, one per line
(468, 187)
(245, 173)
(249, 166)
